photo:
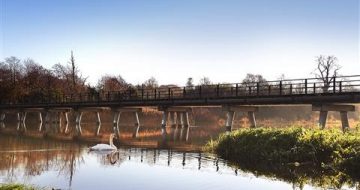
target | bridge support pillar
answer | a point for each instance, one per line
(21, 118)
(116, 119)
(18, 117)
(322, 119)
(98, 123)
(178, 125)
(185, 126)
(181, 119)
(137, 125)
(2, 117)
(40, 117)
(230, 115)
(252, 120)
(2, 120)
(163, 123)
(344, 120)
(342, 109)
(24, 114)
(78, 123)
(66, 122)
(231, 112)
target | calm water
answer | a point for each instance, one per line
(65, 165)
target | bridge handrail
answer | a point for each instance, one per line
(303, 86)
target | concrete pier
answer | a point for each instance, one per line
(78, 115)
(137, 125)
(182, 118)
(231, 112)
(322, 119)
(344, 120)
(116, 119)
(230, 115)
(163, 123)
(2, 117)
(341, 108)
(66, 130)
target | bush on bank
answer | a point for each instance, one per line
(326, 148)
(15, 187)
(18, 186)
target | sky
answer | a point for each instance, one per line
(173, 40)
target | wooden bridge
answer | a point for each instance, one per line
(335, 94)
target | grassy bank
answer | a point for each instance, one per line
(298, 146)
(17, 187)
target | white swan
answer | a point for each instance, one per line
(105, 147)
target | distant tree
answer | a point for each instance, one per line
(14, 76)
(205, 81)
(249, 83)
(253, 78)
(151, 83)
(74, 69)
(190, 82)
(112, 83)
(73, 81)
(34, 76)
(14, 64)
(327, 69)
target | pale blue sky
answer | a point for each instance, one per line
(173, 40)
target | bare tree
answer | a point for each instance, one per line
(327, 69)
(73, 69)
(151, 83)
(205, 81)
(74, 81)
(253, 78)
(112, 83)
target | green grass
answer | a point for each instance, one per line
(324, 148)
(14, 186)
(323, 158)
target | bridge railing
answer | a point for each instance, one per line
(310, 86)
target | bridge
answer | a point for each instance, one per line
(333, 94)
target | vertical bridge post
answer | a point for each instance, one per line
(181, 119)
(94, 110)
(2, 117)
(342, 109)
(2, 120)
(116, 119)
(231, 112)
(78, 115)
(137, 125)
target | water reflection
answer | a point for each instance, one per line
(22, 158)
(70, 165)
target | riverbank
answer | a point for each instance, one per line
(291, 146)
(12, 186)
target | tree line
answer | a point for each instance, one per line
(27, 79)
